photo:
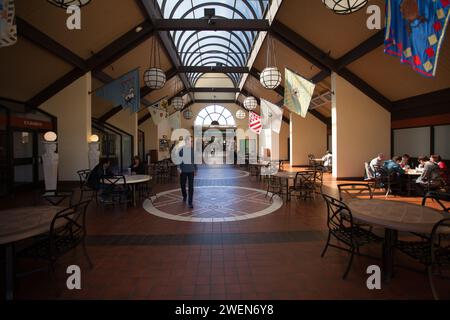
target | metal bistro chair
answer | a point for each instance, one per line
(354, 190)
(319, 179)
(342, 228)
(86, 192)
(67, 231)
(432, 251)
(254, 171)
(438, 197)
(115, 190)
(304, 184)
(275, 186)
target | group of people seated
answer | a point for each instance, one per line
(433, 170)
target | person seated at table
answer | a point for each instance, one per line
(405, 161)
(327, 159)
(103, 169)
(422, 161)
(393, 165)
(431, 175)
(376, 164)
(444, 170)
(137, 167)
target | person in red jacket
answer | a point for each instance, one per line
(444, 170)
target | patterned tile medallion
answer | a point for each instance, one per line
(220, 174)
(214, 204)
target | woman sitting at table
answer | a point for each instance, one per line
(103, 169)
(444, 170)
(327, 160)
(137, 167)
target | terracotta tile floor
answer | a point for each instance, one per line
(137, 255)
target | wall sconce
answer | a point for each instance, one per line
(50, 136)
(94, 138)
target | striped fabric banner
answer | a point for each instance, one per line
(254, 122)
(8, 28)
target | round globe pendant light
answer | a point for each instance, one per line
(250, 103)
(50, 136)
(344, 6)
(154, 78)
(270, 78)
(67, 3)
(240, 114)
(187, 114)
(177, 103)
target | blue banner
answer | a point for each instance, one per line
(415, 31)
(124, 91)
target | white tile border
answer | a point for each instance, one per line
(275, 205)
(244, 175)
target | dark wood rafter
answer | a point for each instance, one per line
(111, 113)
(213, 90)
(151, 9)
(211, 24)
(96, 63)
(144, 118)
(326, 64)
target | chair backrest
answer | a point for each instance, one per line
(70, 221)
(319, 177)
(440, 242)
(339, 214)
(83, 175)
(439, 197)
(354, 190)
(114, 181)
(305, 178)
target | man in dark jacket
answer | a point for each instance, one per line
(187, 169)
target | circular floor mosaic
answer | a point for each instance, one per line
(214, 204)
(220, 174)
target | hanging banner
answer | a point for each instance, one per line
(415, 31)
(124, 91)
(254, 122)
(8, 28)
(271, 115)
(298, 93)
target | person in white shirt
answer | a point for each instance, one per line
(327, 160)
(376, 163)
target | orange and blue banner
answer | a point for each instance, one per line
(415, 32)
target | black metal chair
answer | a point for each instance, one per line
(304, 185)
(432, 251)
(275, 186)
(115, 190)
(319, 179)
(254, 171)
(67, 231)
(354, 191)
(58, 197)
(438, 197)
(86, 192)
(342, 228)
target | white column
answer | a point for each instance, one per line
(361, 129)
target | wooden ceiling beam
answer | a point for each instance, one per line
(214, 24)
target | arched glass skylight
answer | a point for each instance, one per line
(214, 115)
(213, 48)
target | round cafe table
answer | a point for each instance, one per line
(133, 180)
(19, 224)
(394, 216)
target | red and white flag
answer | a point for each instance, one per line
(254, 122)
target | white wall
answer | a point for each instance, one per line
(361, 129)
(72, 107)
(308, 136)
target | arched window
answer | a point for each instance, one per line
(215, 115)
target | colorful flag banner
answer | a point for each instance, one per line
(254, 122)
(271, 116)
(175, 120)
(415, 32)
(298, 93)
(158, 114)
(124, 91)
(8, 28)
